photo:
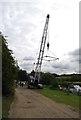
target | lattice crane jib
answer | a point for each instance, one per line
(41, 51)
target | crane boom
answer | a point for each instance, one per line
(42, 47)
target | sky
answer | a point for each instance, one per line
(23, 22)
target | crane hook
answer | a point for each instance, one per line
(48, 45)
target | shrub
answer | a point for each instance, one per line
(54, 84)
(46, 78)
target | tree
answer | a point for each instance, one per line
(46, 78)
(54, 84)
(22, 75)
(0, 64)
(9, 68)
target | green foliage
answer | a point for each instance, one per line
(72, 78)
(22, 75)
(53, 79)
(9, 69)
(75, 78)
(6, 102)
(46, 78)
(54, 84)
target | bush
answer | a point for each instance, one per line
(54, 84)
(46, 78)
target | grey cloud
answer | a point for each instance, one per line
(30, 58)
(80, 56)
(17, 22)
(20, 9)
(27, 66)
(57, 67)
(24, 64)
(75, 56)
(12, 19)
(75, 52)
(61, 67)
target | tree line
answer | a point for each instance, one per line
(9, 68)
(55, 79)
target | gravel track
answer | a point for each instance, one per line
(29, 104)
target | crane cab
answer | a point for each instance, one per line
(33, 81)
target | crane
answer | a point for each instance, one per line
(42, 47)
(34, 79)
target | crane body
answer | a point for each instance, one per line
(35, 74)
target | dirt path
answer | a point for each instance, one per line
(29, 104)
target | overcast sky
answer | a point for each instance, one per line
(23, 23)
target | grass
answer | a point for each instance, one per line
(61, 96)
(6, 102)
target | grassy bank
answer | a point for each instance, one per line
(6, 102)
(61, 96)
